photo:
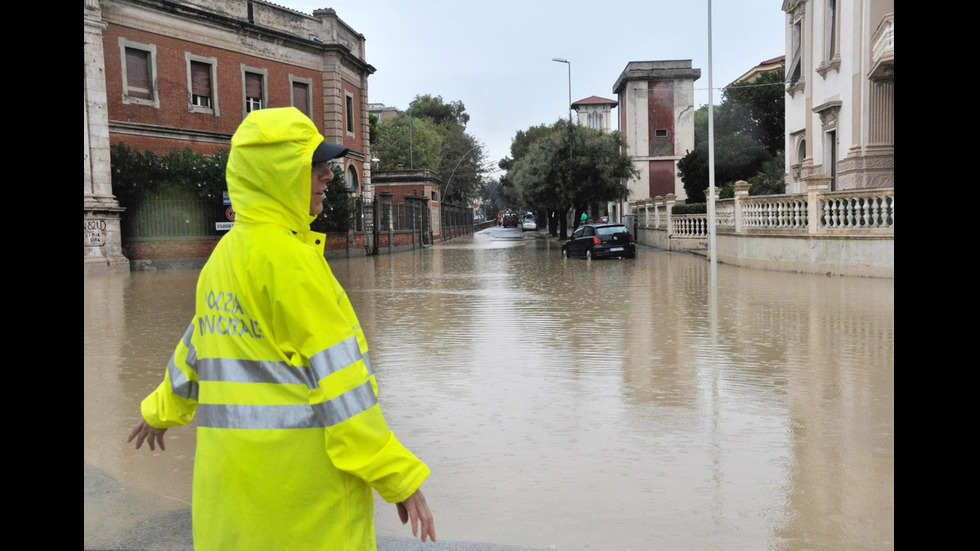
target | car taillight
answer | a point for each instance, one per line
(631, 237)
(596, 241)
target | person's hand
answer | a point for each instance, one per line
(415, 508)
(143, 431)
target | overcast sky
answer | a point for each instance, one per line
(496, 57)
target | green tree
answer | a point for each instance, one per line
(568, 166)
(748, 129)
(461, 166)
(431, 134)
(737, 157)
(409, 142)
(435, 109)
(758, 110)
(770, 180)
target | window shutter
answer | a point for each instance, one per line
(200, 79)
(253, 85)
(137, 73)
(299, 97)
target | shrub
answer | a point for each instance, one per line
(137, 174)
(690, 208)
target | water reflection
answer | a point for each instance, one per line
(573, 404)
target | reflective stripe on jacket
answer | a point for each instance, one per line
(274, 369)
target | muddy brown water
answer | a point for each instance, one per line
(563, 404)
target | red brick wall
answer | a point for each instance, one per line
(661, 178)
(157, 250)
(202, 248)
(171, 71)
(660, 106)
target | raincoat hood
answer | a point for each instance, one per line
(270, 166)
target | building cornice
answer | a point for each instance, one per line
(196, 14)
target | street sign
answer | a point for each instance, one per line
(230, 214)
(224, 198)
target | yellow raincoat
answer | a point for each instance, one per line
(275, 369)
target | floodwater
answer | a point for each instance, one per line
(566, 404)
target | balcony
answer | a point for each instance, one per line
(883, 50)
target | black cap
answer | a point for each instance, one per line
(326, 151)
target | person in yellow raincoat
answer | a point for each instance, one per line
(275, 369)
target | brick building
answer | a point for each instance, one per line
(163, 75)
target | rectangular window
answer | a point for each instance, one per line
(350, 114)
(832, 158)
(253, 92)
(200, 84)
(795, 67)
(138, 74)
(660, 133)
(301, 93)
(831, 29)
(595, 121)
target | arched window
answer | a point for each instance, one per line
(350, 176)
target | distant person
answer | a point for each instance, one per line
(274, 367)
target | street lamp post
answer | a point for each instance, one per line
(569, 63)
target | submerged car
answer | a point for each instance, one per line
(529, 223)
(600, 241)
(509, 220)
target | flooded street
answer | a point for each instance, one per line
(564, 404)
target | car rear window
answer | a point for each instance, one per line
(610, 230)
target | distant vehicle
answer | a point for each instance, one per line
(600, 241)
(603, 219)
(509, 220)
(529, 224)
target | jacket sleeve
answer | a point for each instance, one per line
(321, 329)
(175, 400)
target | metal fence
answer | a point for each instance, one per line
(173, 213)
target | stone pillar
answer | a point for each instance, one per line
(385, 222)
(657, 201)
(426, 221)
(101, 210)
(816, 184)
(741, 192)
(669, 200)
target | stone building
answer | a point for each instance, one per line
(382, 111)
(163, 75)
(840, 93)
(656, 118)
(595, 112)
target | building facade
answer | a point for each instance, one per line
(656, 119)
(595, 112)
(382, 111)
(164, 75)
(840, 93)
